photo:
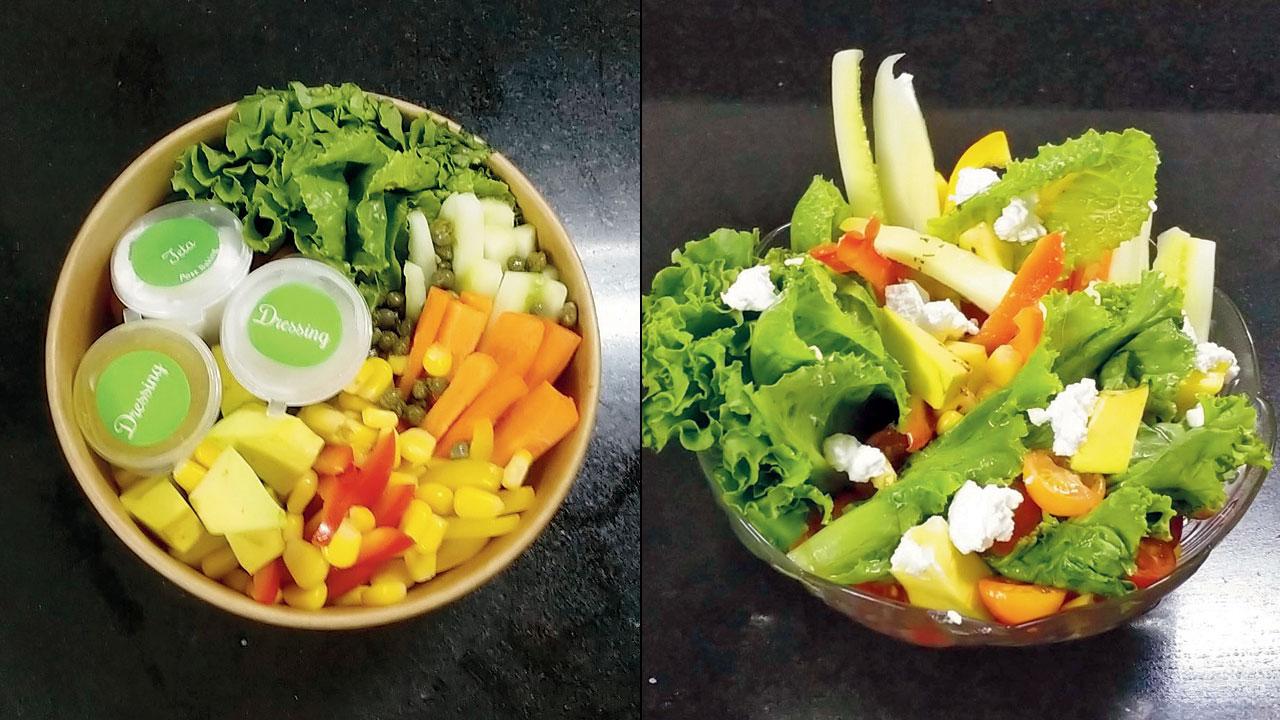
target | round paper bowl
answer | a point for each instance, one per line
(79, 314)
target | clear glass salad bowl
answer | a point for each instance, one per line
(930, 627)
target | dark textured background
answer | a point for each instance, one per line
(735, 122)
(88, 630)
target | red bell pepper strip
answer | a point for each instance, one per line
(266, 582)
(1037, 276)
(1030, 324)
(391, 506)
(857, 250)
(826, 254)
(917, 425)
(378, 546)
(361, 486)
(1087, 273)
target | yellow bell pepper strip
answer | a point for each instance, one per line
(1037, 276)
(362, 486)
(992, 150)
(379, 546)
(1030, 324)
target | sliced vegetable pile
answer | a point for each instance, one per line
(975, 393)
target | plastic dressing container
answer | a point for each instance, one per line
(145, 394)
(295, 332)
(180, 262)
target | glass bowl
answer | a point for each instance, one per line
(930, 627)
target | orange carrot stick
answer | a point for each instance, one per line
(1087, 273)
(917, 425)
(557, 348)
(513, 341)
(460, 331)
(1030, 324)
(438, 300)
(479, 301)
(489, 405)
(1038, 274)
(535, 423)
(471, 376)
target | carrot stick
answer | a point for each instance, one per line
(1087, 273)
(557, 348)
(438, 300)
(917, 425)
(473, 373)
(479, 301)
(489, 405)
(460, 331)
(1030, 324)
(513, 341)
(535, 423)
(1042, 269)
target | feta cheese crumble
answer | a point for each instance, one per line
(954, 618)
(940, 318)
(794, 261)
(1068, 415)
(1092, 291)
(1017, 223)
(1195, 416)
(1211, 357)
(912, 558)
(861, 462)
(979, 516)
(972, 181)
(751, 290)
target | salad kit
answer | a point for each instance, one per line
(976, 393)
(336, 357)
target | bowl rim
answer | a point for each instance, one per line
(437, 593)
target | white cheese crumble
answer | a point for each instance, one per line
(794, 261)
(1212, 357)
(1017, 223)
(817, 352)
(940, 318)
(1092, 291)
(953, 617)
(1195, 416)
(752, 290)
(912, 558)
(1068, 415)
(861, 462)
(972, 181)
(979, 516)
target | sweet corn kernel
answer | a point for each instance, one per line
(188, 474)
(398, 364)
(417, 445)
(237, 580)
(516, 500)
(379, 419)
(453, 553)
(306, 563)
(467, 528)
(438, 497)
(219, 562)
(1003, 365)
(395, 570)
(420, 564)
(303, 492)
(437, 361)
(425, 527)
(387, 592)
(207, 452)
(517, 470)
(351, 402)
(328, 422)
(987, 391)
(362, 518)
(344, 546)
(306, 598)
(481, 440)
(470, 502)
(400, 477)
(460, 473)
(362, 436)
(353, 597)
(948, 420)
(293, 524)
(373, 379)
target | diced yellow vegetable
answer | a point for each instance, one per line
(233, 393)
(237, 580)
(362, 436)
(306, 563)
(1079, 601)
(516, 500)
(157, 505)
(126, 479)
(203, 548)
(438, 497)
(353, 597)
(973, 355)
(303, 492)
(400, 477)
(344, 548)
(460, 473)
(379, 419)
(453, 553)
(398, 364)
(517, 469)
(280, 449)
(1003, 365)
(947, 420)
(331, 424)
(387, 592)
(950, 582)
(466, 528)
(425, 527)
(293, 527)
(188, 474)
(362, 518)
(256, 548)
(219, 562)
(306, 599)
(417, 446)
(353, 403)
(420, 564)
(183, 534)
(1113, 428)
(932, 371)
(207, 452)
(395, 570)
(1199, 383)
(481, 440)
(471, 502)
(231, 499)
(372, 381)
(437, 361)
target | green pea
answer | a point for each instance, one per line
(569, 314)
(445, 253)
(436, 387)
(390, 400)
(420, 390)
(515, 264)
(414, 414)
(386, 318)
(441, 232)
(461, 450)
(406, 328)
(444, 279)
(387, 341)
(537, 261)
(402, 347)
(538, 309)
(395, 300)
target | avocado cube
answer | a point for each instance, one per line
(202, 547)
(155, 503)
(256, 548)
(1113, 427)
(231, 499)
(932, 371)
(950, 582)
(280, 449)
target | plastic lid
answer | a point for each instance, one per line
(145, 394)
(180, 262)
(295, 332)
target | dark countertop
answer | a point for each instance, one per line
(89, 630)
(725, 636)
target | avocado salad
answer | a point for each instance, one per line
(976, 393)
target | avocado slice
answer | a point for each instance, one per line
(951, 581)
(982, 241)
(1113, 427)
(232, 500)
(932, 371)
(279, 449)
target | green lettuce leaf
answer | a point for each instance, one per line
(1192, 465)
(1095, 188)
(1092, 553)
(1160, 357)
(818, 215)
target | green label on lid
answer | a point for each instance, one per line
(296, 324)
(174, 251)
(143, 397)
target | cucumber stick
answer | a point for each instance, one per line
(466, 214)
(982, 282)
(1132, 257)
(861, 187)
(415, 289)
(481, 276)
(528, 292)
(1187, 264)
(905, 158)
(502, 244)
(421, 252)
(498, 214)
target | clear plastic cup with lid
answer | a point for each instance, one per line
(180, 262)
(145, 394)
(295, 332)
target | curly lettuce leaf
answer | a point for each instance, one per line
(1193, 465)
(1094, 188)
(1159, 357)
(818, 214)
(1093, 553)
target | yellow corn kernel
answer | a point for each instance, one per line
(481, 440)
(387, 592)
(219, 562)
(207, 452)
(344, 546)
(379, 419)
(188, 474)
(303, 492)
(362, 436)
(466, 528)
(516, 500)
(470, 502)
(353, 597)
(438, 497)
(462, 473)
(517, 469)
(373, 379)
(453, 553)
(362, 518)
(417, 446)
(306, 563)
(237, 580)
(360, 454)
(986, 391)
(1003, 365)
(437, 361)
(425, 527)
(293, 524)
(350, 402)
(948, 420)
(420, 564)
(328, 422)
(398, 364)
(394, 569)
(306, 598)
